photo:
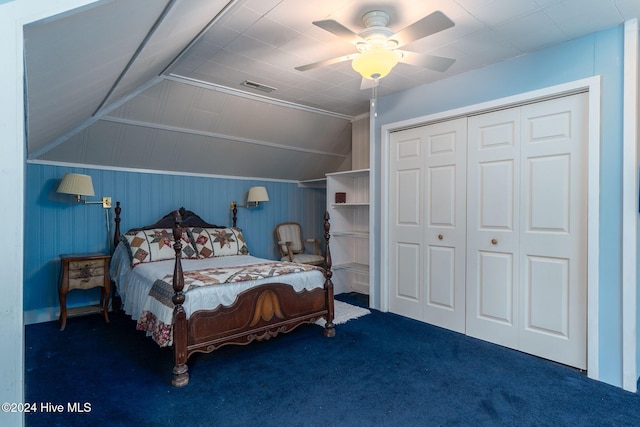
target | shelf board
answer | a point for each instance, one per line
(352, 266)
(313, 183)
(363, 234)
(343, 205)
(354, 173)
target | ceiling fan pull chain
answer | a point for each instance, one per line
(374, 96)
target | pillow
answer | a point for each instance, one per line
(213, 242)
(202, 241)
(156, 245)
(242, 244)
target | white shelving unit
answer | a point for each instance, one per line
(350, 248)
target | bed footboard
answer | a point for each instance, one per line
(259, 313)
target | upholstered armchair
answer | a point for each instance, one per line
(292, 246)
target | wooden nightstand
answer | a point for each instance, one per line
(84, 271)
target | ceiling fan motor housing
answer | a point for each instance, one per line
(376, 32)
(375, 18)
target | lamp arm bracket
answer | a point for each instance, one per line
(106, 202)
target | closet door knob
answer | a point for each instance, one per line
(440, 237)
(494, 241)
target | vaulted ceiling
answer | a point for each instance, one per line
(157, 84)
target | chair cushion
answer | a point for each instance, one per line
(290, 233)
(305, 259)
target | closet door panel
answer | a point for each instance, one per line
(441, 259)
(553, 236)
(407, 203)
(427, 170)
(441, 279)
(492, 227)
(495, 287)
(442, 202)
(547, 293)
(445, 232)
(406, 224)
(407, 257)
(495, 193)
(548, 195)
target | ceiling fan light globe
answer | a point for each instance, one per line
(375, 63)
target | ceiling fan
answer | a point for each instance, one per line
(378, 46)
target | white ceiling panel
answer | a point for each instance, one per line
(531, 32)
(76, 59)
(271, 32)
(496, 12)
(299, 14)
(171, 105)
(249, 47)
(108, 144)
(219, 35)
(240, 18)
(628, 8)
(261, 6)
(182, 21)
(155, 84)
(574, 23)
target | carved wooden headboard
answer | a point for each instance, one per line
(189, 219)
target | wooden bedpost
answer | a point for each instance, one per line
(116, 301)
(116, 230)
(180, 370)
(234, 212)
(329, 328)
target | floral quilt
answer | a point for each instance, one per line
(157, 316)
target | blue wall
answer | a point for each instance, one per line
(55, 224)
(596, 54)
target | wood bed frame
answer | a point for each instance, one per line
(259, 313)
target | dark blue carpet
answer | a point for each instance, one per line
(381, 369)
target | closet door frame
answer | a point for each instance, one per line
(590, 85)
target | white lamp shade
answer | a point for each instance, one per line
(76, 184)
(257, 194)
(375, 63)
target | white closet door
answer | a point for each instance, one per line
(406, 205)
(493, 197)
(427, 224)
(510, 267)
(553, 233)
(527, 230)
(445, 231)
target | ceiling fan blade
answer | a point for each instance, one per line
(430, 24)
(326, 62)
(339, 30)
(431, 62)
